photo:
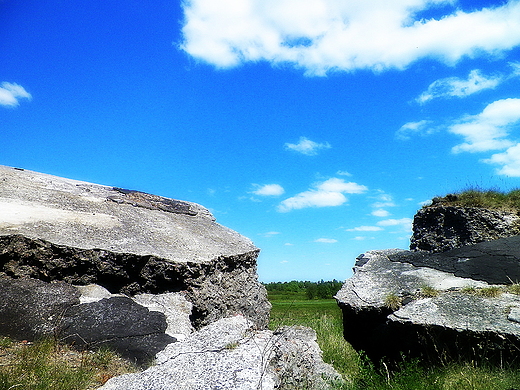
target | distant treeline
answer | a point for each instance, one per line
(312, 290)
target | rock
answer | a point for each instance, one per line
(31, 308)
(94, 293)
(457, 325)
(297, 362)
(495, 262)
(439, 228)
(118, 323)
(231, 354)
(175, 307)
(428, 305)
(127, 241)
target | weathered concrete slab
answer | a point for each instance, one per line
(31, 309)
(129, 242)
(231, 354)
(387, 310)
(495, 262)
(88, 216)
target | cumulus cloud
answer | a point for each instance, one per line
(488, 130)
(269, 234)
(307, 147)
(268, 190)
(324, 194)
(312, 198)
(362, 238)
(326, 240)
(380, 213)
(330, 35)
(456, 87)
(509, 160)
(365, 229)
(383, 200)
(516, 68)
(10, 94)
(414, 128)
(405, 223)
(393, 222)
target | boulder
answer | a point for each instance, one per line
(439, 227)
(175, 307)
(32, 309)
(129, 242)
(134, 332)
(435, 306)
(495, 262)
(231, 354)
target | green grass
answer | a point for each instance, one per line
(429, 292)
(514, 289)
(393, 301)
(35, 369)
(477, 197)
(45, 365)
(324, 316)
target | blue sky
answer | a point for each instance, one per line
(316, 128)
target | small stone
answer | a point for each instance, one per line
(514, 315)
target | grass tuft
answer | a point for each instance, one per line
(469, 290)
(393, 301)
(514, 289)
(489, 292)
(429, 292)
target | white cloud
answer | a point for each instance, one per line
(380, 213)
(325, 194)
(425, 202)
(312, 198)
(268, 190)
(307, 147)
(487, 131)
(365, 229)
(269, 234)
(343, 173)
(330, 35)
(456, 87)
(326, 240)
(288, 244)
(510, 161)
(413, 128)
(10, 94)
(405, 223)
(384, 200)
(516, 68)
(393, 222)
(339, 185)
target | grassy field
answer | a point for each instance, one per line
(324, 317)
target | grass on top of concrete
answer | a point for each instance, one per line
(477, 197)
